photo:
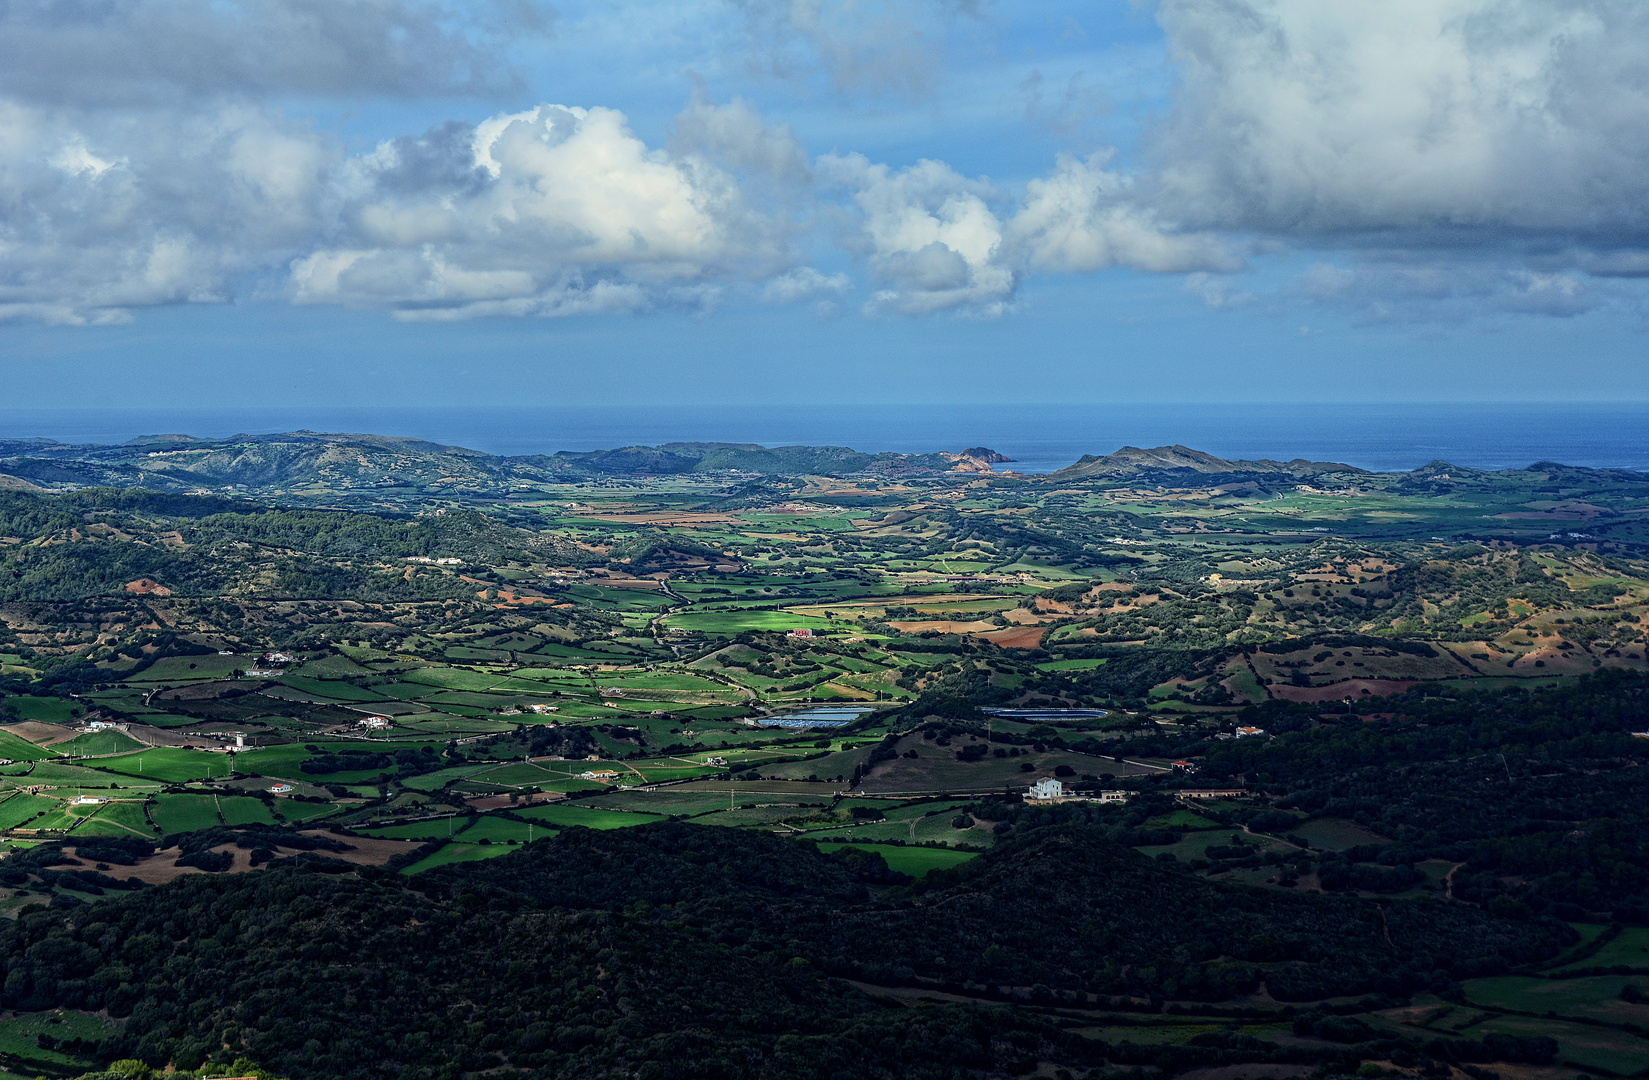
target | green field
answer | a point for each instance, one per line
(185, 813)
(1594, 998)
(179, 669)
(20, 808)
(18, 748)
(170, 764)
(98, 743)
(440, 829)
(449, 679)
(502, 830)
(293, 810)
(245, 810)
(336, 689)
(589, 818)
(18, 1034)
(282, 762)
(737, 622)
(1630, 949)
(458, 853)
(50, 710)
(1589, 1047)
(915, 861)
(118, 819)
(1072, 665)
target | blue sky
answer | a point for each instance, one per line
(349, 202)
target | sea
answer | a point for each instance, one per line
(1040, 438)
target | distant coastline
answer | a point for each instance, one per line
(1040, 438)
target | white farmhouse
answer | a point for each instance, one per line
(1047, 789)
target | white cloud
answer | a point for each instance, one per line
(1084, 218)
(100, 214)
(736, 135)
(1482, 119)
(805, 283)
(931, 239)
(553, 211)
(934, 241)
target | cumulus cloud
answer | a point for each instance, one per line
(737, 136)
(557, 210)
(99, 215)
(1450, 121)
(805, 283)
(1469, 156)
(1436, 157)
(1084, 217)
(937, 240)
(125, 52)
(930, 237)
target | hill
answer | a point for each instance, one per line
(1183, 462)
(315, 463)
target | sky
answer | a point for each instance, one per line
(610, 202)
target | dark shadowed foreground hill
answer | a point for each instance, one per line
(671, 950)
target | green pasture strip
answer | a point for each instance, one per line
(522, 774)
(332, 667)
(98, 743)
(176, 669)
(49, 710)
(434, 781)
(1087, 664)
(439, 829)
(19, 1035)
(569, 652)
(1595, 997)
(62, 773)
(185, 813)
(736, 622)
(19, 809)
(502, 830)
(1587, 1046)
(588, 817)
(295, 811)
(1630, 949)
(448, 678)
(124, 813)
(915, 861)
(62, 818)
(458, 853)
(672, 681)
(20, 749)
(336, 689)
(245, 810)
(917, 811)
(169, 764)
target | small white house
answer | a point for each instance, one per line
(1047, 789)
